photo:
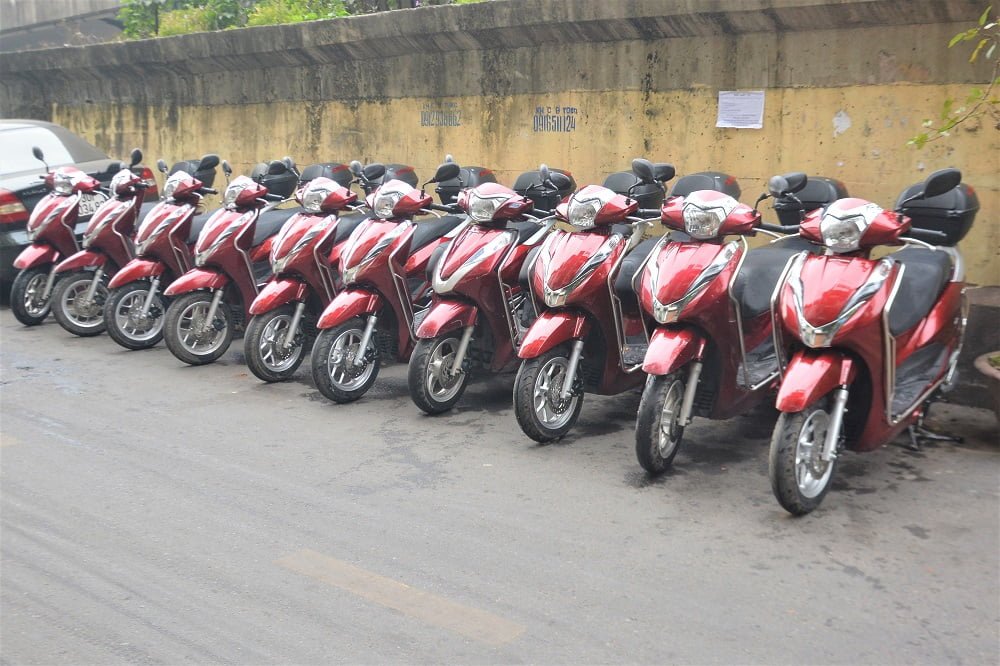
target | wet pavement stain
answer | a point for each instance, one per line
(917, 531)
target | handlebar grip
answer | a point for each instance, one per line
(780, 229)
(931, 236)
(208, 190)
(273, 197)
(650, 211)
(443, 208)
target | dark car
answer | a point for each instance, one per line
(20, 185)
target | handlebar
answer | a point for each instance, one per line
(777, 228)
(928, 235)
(273, 197)
(444, 209)
(208, 190)
(650, 211)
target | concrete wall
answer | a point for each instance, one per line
(847, 83)
(18, 13)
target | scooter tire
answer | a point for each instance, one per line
(253, 343)
(116, 333)
(22, 293)
(71, 287)
(788, 463)
(175, 338)
(532, 378)
(420, 379)
(326, 344)
(657, 434)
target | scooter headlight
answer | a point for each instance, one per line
(313, 198)
(120, 183)
(703, 223)
(62, 183)
(482, 209)
(171, 185)
(232, 192)
(841, 235)
(385, 202)
(583, 213)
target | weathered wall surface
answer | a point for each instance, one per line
(583, 84)
(17, 13)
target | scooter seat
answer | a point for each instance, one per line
(347, 224)
(629, 267)
(925, 274)
(430, 230)
(524, 275)
(762, 267)
(270, 222)
(525, 230)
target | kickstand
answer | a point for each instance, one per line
(920, 433)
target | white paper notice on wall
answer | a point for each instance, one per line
(741, 108)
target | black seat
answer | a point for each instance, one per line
(759, 275)
(925, 274)
(346, 225)
(197, 224)
(270, 222)
(630, 264)
(525, 230)
(429, 231)
(523, 276)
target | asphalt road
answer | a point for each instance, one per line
(156, 513)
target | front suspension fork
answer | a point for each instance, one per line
(463, 346)
(293, 327)
(150, 295)
(366, 337)
(571, 366)
(212, 308)
(836, 423)
(49, 283)
(687, 404)
(98, 274)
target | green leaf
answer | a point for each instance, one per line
(979, 47)
(956, 39)
(982, 19)
(946, 108)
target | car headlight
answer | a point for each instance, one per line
(385, 202)
(62, 183)
(583, 213)
(841, 235)
(233, 191)
(703, 223)
(482, 209)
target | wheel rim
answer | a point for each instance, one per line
(191, 329)
(812, 472)
(34, 304)
(669, 434)
(85, 314)
(130, 320)
(552, 411)
(343, 372)
(441, 383)
(271, 347)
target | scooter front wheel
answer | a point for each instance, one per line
(26, 300)
(433, 386)
(72, 308)
(264, 345)
(658, 431)
(125, 322)
(342, 371)
(800, 478)
(541, 411)
(188, 333)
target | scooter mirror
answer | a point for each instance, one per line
(446, 171)
(941, 181)
(37, 152)
(643, 170)
(288, 162)
(226, 169)
(560, 180)
(161, 166)
(449, 158)
(543, 172)
(136, 157)
(796, 181)
(355, 167)
(374, 171)
(777, 186)
(209, 161)
(662, 172)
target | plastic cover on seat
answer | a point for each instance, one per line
(924, 277)
(430, 230)
(755, 283)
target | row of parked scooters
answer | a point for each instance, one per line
(557, 283)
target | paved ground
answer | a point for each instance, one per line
(155, 513)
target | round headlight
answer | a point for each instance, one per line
(171, 185)
(120, 182)
(583, 213)
(385, 202)
(482, 209)
(313, 198)
(841, 235)
(62, 183)
(233, 191)
(703, 223)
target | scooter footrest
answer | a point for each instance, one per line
(634, 354)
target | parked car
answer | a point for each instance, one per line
(20, 185)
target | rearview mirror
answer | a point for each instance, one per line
(662, 172)
(355, 167)
(941, 181)
(643, 170)
(288, 162)
(543, 172)
(37, 152)
(226, 169)
(136, 157)
(161, 166)
(789, 183)
(446, 171)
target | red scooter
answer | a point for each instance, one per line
(711, 352)
(81, 280)
(589, 334)
(870, 342)
(72, 194)
(303, 281)
(211, 301)
(133, 312)
(479, 312)
(383, 264)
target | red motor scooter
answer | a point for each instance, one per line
(479, 311)
(81, 279)
(51, 230)
(211, 301)
(133, 312)
(589, 334)
(711, 352)
(870, 342)
(383, 264)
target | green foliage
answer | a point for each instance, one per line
(274, 12)
(184, 21)
(979, 102)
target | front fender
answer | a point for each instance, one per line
(670, 349)
(195, 279)
(137, 269)
(349, 304)
(445, 316)
(810, 375)
(81, 260)
(276, 293)
(551, 329)
(36, 255)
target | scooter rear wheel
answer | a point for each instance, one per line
(124, 320)
(800, 478)
(25, 296)
(334, 370)
(263, 345)
(540, 410)
(657, 433)
(71, 309)
(188, 336)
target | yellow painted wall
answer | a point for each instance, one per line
(870, 156)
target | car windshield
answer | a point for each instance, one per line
(16, 144)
